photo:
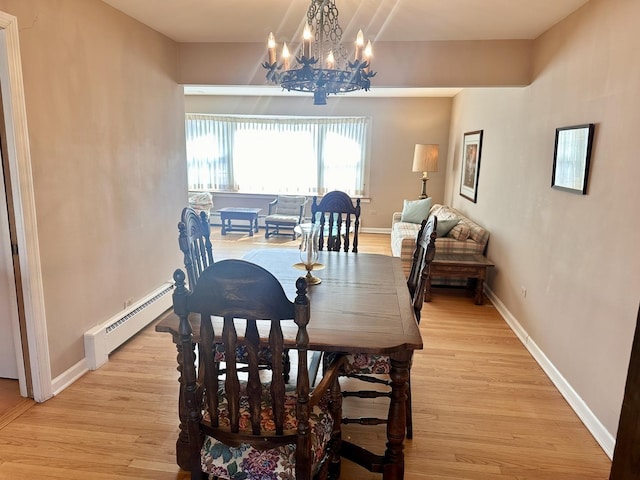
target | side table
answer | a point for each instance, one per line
(235, 213)
(459, 266)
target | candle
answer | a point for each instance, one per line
(359, 44)
(331, 61)
(285, 57)
(306, 41)
(271, 48)
(368, 52)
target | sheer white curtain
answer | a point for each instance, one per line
(208, 160)
(296, 155)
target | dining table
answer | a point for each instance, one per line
(362, 305)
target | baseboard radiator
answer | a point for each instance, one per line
(103, 339)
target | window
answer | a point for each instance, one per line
(277, 155)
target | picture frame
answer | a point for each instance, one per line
(571, 158)
(471, 154)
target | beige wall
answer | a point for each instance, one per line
(397, 124)
(576, 255)
(106, 127)
(398, 64)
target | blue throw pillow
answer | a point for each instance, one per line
(414, 211)
(445, 226)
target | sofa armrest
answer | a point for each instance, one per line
(396, 217)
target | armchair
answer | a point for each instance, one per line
(285, 212)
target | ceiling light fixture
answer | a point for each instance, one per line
(322, 65)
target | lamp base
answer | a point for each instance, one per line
(423, 194)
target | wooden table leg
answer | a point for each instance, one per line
(479, 297)
(427, 290)
(397, 420)
(224, 219)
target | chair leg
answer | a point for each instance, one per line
(335, 407)
(408, 408)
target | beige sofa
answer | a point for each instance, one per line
(466, 237)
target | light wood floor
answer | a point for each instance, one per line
(483, 409)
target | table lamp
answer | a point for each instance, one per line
(425, 160)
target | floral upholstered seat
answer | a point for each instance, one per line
(252, 425)
(225, 462)
(366, 364)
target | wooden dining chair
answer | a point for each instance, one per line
(338, 219)
(195, 243)
(370, 368)
(253, 426)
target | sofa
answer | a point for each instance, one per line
(463, 236)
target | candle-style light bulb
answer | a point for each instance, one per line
(306, 41)
(285, 56)
(331, 61)
(271, 48)
(359, 44)
(368, 53)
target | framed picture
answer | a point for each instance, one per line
(571, 157)
(471, 150)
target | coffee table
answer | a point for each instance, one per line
(459, 266)
(236, 213)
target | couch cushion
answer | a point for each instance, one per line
(277, 218)
(444, 226)
(443, 212)
(403, 236)
(414, 211)
(289, 205)
(460, 232)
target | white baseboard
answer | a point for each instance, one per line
(69, 376)
(385, 231)
(604, 438)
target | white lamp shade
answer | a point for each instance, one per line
(425, 158)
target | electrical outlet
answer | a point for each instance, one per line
(128, 302)
(523, 292)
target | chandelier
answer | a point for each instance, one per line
(322, 65)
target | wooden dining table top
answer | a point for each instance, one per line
(361, 306)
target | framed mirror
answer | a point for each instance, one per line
(571, 157)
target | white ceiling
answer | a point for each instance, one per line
(381, 20)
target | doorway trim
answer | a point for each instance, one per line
(19, 160)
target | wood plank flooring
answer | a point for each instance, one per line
(483, 409)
